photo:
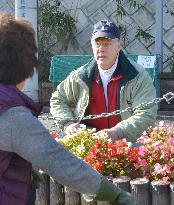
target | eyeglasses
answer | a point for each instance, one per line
(105, 44)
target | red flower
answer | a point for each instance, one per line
(54, 135)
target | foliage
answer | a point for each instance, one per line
(154, 159)
(108, 158)
(171, 64)
(156, 155)
(80, 143)
(120, 11)
(170, 11)
(54, 21)
(140, 33)
(115, 159)
(144, 34)
(54, 28)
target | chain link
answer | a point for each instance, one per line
(167, 97)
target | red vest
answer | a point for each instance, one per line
(97, 103)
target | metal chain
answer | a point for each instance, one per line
(167, 97)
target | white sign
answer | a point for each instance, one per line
(146, 61)
(27, 9)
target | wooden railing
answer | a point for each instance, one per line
(143, 191)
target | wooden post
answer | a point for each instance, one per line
(71, 197)
(160, 193)
(122, 182)
(43, 192)
(57, 196)
(140, 189)
(103, 203)
(172, 193)
(83, 202)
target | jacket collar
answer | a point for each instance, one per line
(124, 68)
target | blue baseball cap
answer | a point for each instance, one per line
(105, 29)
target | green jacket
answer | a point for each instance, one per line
(71, 98)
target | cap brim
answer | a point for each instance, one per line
(102, 35)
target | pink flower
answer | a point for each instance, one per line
(167, 168)
(165, 180)
(157, 169)
(143, 150)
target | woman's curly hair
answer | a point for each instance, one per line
(17, 50)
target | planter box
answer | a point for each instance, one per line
(166, 85)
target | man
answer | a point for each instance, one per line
(24, 140)
(109, 82)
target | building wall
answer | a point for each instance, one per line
(87, 12)
(7, 6)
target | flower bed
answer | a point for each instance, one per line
(156, 155)
(154, 159)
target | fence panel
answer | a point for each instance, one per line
(143, 191)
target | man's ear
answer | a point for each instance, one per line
(121, 44)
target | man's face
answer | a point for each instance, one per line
(105, 51)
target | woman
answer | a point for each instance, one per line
(24, 140)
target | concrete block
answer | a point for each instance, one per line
(136, 47)
(131, 32)
(168, 37)
(166, 51)
(151, 6)
(7, 6)
(91, 6)
(88, 48)
(168, 20)
(73, 5)
(151, 31)
(124, 21)
(97, 16)
(166, 67)
(143, 18)
(151, 48)
(85, 35)
(74, 50)
(109, 8)
(170, 4)
(81, 20)
(130, 9)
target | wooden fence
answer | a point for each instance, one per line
(143, 191)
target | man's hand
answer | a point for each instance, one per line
(73, 128)
(110, 133)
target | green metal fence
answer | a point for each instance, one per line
(62, 65)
